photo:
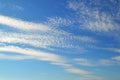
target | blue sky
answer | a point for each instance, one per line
(59, 39)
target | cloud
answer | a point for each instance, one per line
(10, 6)
(114, 49)
(22, 25)
(50, 34)
(36, 40)
(83, 62)
(92, 18)
(39, 55)
(117, 58)
(77, 71)
(114, 61)
(101, 62)
(42, 35)
(59, 21)
(14, 57)
(30, 52)
(106, 62)
(90, 78)
(38, 35)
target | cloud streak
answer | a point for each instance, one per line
(39, 35)
(78, 32)
(39, 55)
(30, 39)
(22, 25)
(14, 57)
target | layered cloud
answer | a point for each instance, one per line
(27, 39)
(38, 35)
(27, 53)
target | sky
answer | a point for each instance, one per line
(59, 39)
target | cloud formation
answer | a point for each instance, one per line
(77, 33)
(29, 36)
(22, 25)
(92, 18)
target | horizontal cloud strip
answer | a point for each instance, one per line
(39, 55)
(22, 25)
(41, 37)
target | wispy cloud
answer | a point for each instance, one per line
(39, 55)
(83, 62)
(92, 18)
(90, 78)
(23, 25)
(14, 57)
(113, 61)
(59, 21)
(106, 62)
(39, 35)
(117, 58)
(28, 39)
(77, 71)
(45, 34)
(10, 6)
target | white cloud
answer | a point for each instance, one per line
(117, 58)
(114, 49)
(106, 62)
(22, 25)
(86, 39)
(30, 52)
(36, 40)
(15, 57)
(77, 71)
(39, 55)
(90, 78)
(42, 36)
(101, 23)
(10, 6)
(59, 21)
(101, 62)
(91, 18)
(83, 62)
